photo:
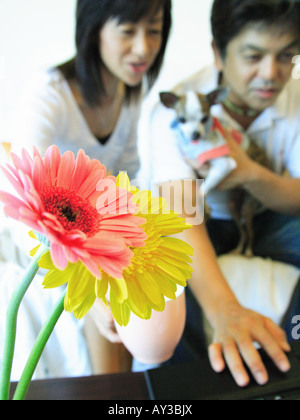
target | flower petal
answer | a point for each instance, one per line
(55, 278)
(58, 256)
(83, 308)
(38, 173)
(150, 287)
(65, 170)
(52, 161)
(80, 286)
(102, 287)
(119, 289)
(121, 312)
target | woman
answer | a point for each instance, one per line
(93, 102)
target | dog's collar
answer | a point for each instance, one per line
(214, 153)
(237, 136)
(174, 124)
(239, 110)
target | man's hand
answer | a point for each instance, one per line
(245, 165)
(104, 321)
(236, 330)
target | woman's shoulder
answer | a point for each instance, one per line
(47, 82)
(41, 108)
(46, 92)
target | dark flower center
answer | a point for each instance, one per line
(68, 213)
(72, 211)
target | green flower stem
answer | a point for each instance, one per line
(38, 349)
(11, 324)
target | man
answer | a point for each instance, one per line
(254, 45)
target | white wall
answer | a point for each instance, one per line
(36, 34)
(189, 47)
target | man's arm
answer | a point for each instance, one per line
(235, 328)
(279, 193)
(276, 192)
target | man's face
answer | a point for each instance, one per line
(257, 65)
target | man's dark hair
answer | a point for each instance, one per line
(91, 16)
(230, 17)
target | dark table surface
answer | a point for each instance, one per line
(194, 380)
(125, 386)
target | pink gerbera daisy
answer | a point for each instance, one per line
(79, 209)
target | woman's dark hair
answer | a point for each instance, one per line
(91, 16)
(230, 17)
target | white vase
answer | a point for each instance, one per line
(154, 341)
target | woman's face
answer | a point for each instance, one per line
(128, 50)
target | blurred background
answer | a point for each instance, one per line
(36, 34)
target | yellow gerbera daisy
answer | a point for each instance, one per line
(156, 268)
(154, 272)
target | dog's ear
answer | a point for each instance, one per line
(218, 95)
(168, 99)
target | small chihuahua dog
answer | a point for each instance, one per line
(198, 135)
(201, 140)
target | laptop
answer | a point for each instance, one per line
(197, 381)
